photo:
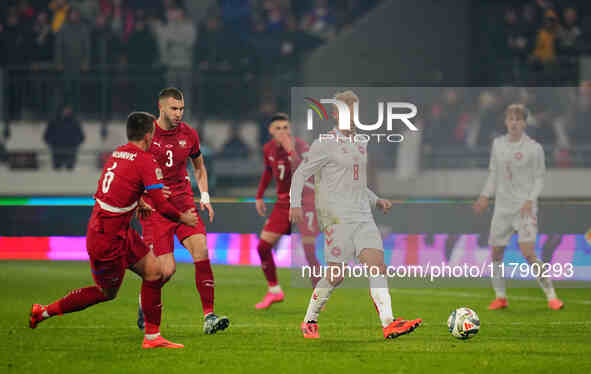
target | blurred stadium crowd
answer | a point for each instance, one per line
(530, 41)
(67, 62)
(114, 50)
(460, 125)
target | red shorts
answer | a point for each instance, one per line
(111, 254)
(159, 231)
(278, 221)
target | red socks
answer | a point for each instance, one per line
(76, 300)
(151, 295)
(205, 284)
(267, 263)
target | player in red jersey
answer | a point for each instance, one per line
(112, 244)
(173, 144)
(282, 155)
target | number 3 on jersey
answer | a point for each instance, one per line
(169, 155)
(108, 178)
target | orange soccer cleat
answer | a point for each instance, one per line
(160, 342)
(269, 299)
(499, 303)
(310, 330)
(401, 327)
(555, 304)
(36, 315)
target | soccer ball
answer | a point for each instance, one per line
(463, 323)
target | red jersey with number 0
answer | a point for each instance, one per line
(171, 149)
(280, 163)
(126, 174)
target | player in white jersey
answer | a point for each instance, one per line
(516, 178)
(343, 204)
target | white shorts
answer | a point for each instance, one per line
(343, 242)
(503, 226)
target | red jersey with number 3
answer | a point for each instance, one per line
(171, 149)
(128, 172)
(280, 163)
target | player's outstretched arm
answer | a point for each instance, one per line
(201, 178)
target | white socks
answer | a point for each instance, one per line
(318, 299)
(275, 289)
(151, 336)
(545, 283)
(498, 282)
(381, 298)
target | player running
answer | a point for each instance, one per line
(343, 203)
(112, 244)
(282, 155)
(516, 178)
(174, 142)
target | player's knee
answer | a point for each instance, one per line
(167, 273)
(335, 280)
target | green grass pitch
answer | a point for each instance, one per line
(525, 338)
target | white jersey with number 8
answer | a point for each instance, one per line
(340, 177)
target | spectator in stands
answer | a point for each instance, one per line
(235, 147)
(570, 36)
(274, 16)
(320, 20)
(64, 136)
(293, 43)
(26, 13)
(14, 41)
(72, 55)
(177, 38)
(43, 42)
(487, 123)
(515, 45)
(236, 16)
(142, 47)
(446, 125)
(210, 49)
(540, 8)
(89, 9)
(544, 53)
(60, 9)
(570, 45)
(121, 20)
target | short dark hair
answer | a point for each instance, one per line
(278, 117)
(139, 124)
(173, 92)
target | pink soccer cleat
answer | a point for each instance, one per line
(555, 304)
(269, 299)
(310, 330)
(160, 342)
(400, 327)
(497, 304)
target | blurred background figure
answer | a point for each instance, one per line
(72, 55)
(64, 136)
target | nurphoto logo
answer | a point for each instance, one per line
(391, 110)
